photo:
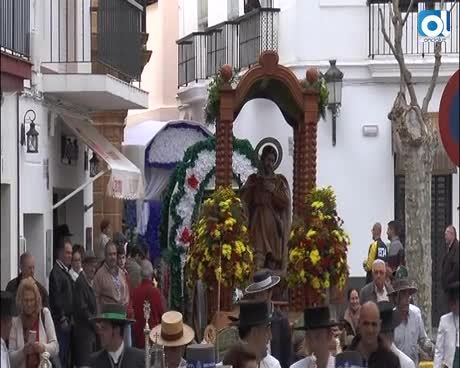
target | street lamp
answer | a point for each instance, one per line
(334, 78)
(31, 137)
(93, 165)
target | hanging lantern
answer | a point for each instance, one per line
(32, 135)
(93, 166)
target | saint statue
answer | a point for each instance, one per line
(268, 201)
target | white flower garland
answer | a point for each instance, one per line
(171, 144)
(204, 163)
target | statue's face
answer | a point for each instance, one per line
(268, 162)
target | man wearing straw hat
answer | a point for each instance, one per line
(174, 335)
(110, 326)
(411, 331)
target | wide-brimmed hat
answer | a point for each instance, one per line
(7, 305)
(252, 314)
(200, 355)
(89, 257)
(317, 317)
(349, 359)
(172, 331)
(401, 282)
(262, 280)
(63, 230)
(113, 312)
(389, 316)
(453, 290)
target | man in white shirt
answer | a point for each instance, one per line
(388, 317)
(254, 328)
(447, 352)
(410, 333)
(318, 335)
(6, 308)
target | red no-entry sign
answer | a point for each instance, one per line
(449, 118)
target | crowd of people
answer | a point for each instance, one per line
(94, 315)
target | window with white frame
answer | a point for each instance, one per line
(202, 14)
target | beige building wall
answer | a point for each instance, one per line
(159, 77)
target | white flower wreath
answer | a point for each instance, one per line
(205, 162)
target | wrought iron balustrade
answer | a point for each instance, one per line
(412, 42)
(15, 27)
(221, 47)
(238, 42)
(192, 58)
(258, 32)
(106, 35)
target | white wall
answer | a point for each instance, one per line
(9, 204)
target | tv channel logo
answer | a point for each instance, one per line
(434, 25)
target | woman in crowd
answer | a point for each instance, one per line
(240, 357)
(32, 332)
(121, 261)
(76, 267)
(351, 315)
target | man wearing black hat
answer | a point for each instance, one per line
(85, 307)
(6, 308)
(389, 319)
(110, 328)
(410, 333)
(261, 290)
(255, 332)
(318, 335)
(447, 352)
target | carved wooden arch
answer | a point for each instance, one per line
(268, 68)
(304, 124)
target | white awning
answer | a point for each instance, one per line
(126, 181)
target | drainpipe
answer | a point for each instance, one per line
(18, 176)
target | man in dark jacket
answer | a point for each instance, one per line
(85, 308)
(377, 250)
(261, 290)
(111, 324)
(27, 268)
(450, 263)
(61, 301)
(368, 342)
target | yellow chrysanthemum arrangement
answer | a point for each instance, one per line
(220, 249)
(318, 245)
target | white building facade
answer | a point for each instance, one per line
(71, 79)
(361, 168)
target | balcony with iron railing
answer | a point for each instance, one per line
(238, 42)
(94, 52)
(15, 28)
(96, 37)
(412, 42)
